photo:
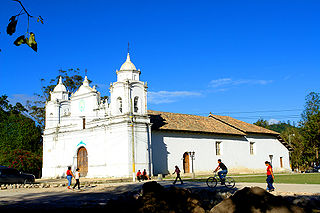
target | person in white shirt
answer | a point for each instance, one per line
(77, 177)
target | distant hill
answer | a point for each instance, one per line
(279, 127)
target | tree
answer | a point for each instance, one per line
(310, 125)
(17, 131)
(20, 138)
(261, 122)
(293, 136)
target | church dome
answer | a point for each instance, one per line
(128, 65)
(60, 87)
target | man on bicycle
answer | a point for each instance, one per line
(223, 173)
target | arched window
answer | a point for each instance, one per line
(120, 104)
(136, 99)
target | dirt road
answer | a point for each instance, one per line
(100, 194)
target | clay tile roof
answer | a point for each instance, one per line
(192, 123)
(243, 126)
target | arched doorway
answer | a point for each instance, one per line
(82, 161)
(186, 164)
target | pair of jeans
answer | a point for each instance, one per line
(69, 178)
(222, 174)
(269, 182)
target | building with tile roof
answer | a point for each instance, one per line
(118, 137)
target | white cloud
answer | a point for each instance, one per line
(273, 121)
(220, 82)
(169, 96)
(228, 82)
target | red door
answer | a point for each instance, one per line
(82, 161)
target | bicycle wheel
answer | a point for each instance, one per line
(229, 182)
(212, 182)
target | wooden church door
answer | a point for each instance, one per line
(186, 164)
(82, 161)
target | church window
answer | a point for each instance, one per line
(83, 123)
(120, 104)
(136, 103)
(251, 148)
(218, 148)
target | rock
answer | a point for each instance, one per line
(153, 187)
(255, 199)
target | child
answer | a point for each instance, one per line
(77, 177)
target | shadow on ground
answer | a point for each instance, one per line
(153, 197)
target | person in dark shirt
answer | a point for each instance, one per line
(223, 173)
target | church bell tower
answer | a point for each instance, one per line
(128, 110)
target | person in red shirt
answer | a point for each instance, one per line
(139, 175)
(270, 177)
(69, 176)
(144, 175)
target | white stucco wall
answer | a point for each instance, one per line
(168, 149)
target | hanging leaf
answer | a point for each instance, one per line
(32, 42)
(11, 28)
(20, 40)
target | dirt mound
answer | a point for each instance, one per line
(257, 200)
(157, 199)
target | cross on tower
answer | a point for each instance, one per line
(128, 47)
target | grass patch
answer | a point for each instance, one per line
(310, 178)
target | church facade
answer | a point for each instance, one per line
(115, 138)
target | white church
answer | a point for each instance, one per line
(119, 136)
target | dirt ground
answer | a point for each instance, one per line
(97, 194)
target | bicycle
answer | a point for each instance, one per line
(213, 181)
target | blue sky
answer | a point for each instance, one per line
(245, 59)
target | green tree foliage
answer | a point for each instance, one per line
(279, 127)
(20, 138)
(263, 123)
(304, 139)
(310, 125)
(293, 136)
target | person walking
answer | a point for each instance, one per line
(270, 177)
(69, 176)
(224, 170)
(77, 177)
(177, 171)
